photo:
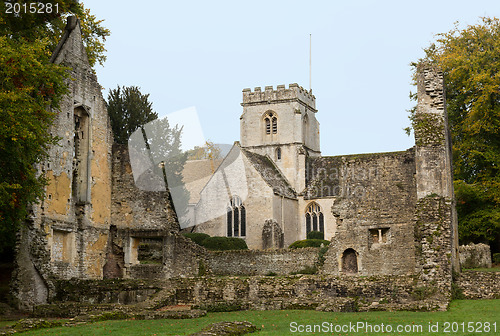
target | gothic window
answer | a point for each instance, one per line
(271, 121)
(314, 218)
(278, 154)
(236, 218)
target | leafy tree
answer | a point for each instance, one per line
(29, 85)
(30, 91)
(210, 151)
(30, 27)
(470, 60)
(128, 110)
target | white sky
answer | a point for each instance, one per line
(202, 54)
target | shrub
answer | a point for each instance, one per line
(224, 243)
(309, 243)
(306, 270)
(197, 237)
(316, 235)
(496, 258)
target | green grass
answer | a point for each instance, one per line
(493, 269)
(278, 322)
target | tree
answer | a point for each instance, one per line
(30, 91)
(470, 60)
(209, 151)
(158, 162)
(29, 27)
(128, 110)
(29, 85)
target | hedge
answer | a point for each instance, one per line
(224, 243)
(309, 243)
(316, 235)
(197, 237)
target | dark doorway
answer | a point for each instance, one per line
(349, 262)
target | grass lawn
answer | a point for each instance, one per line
(279, 322)
(492, 269)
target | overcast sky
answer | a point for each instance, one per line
(202, 54)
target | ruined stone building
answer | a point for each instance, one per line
(386, 214)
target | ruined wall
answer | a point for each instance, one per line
(434, 175)
(133, 208)
(373, 199)
(475, 256)
(68, 231)
(326, 293)
(260, 262)
(436, 233)
(479, 285)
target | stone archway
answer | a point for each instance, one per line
(349, 261)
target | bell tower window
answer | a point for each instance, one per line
(271, 122)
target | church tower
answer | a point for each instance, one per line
(282, 124)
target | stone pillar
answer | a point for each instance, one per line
(436, 235)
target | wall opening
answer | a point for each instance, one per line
(379, 236)
(81, 148)
(62, 246)
(349, 262)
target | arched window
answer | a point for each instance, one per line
(314, 218)
(236, 218)
(271, 121)
(278, 154)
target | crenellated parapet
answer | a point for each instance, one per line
(280, 95)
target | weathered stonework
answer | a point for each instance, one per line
(258, 262)
(479, 285)
(475, 256)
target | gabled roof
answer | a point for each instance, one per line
(270, 174)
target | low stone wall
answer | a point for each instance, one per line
(479, 285)
(260, 262)
(475, 256)
(324, 293)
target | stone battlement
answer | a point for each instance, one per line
(269, 95)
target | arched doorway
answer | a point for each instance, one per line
(349, 262)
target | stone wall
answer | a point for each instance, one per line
(325, 293)
(479, 285)
(260, 262)
(475, 256)
(433, 243)
(372, 199)
(132, 207)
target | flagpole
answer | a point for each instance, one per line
(310, 61)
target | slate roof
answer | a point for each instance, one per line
(271, 174)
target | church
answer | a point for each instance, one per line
(260, 185)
